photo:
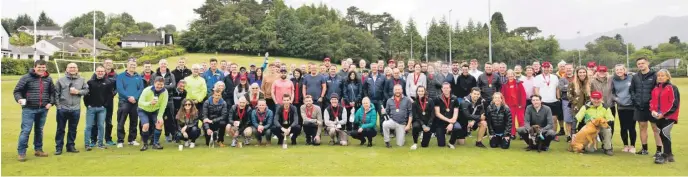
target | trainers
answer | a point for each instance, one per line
(568, 139)
(110, 143)
(40, 154)
(120, 145)
(609, 152)
(642, 152)
(192, 145)
(88, 148)
(234, 143)
(451, 146)
(21, 157)
(168, 139)
(388, 145)
(157, 146)
(102, 147)
(144, 147)
(625, 149)
(556, 138)
(247, 141)
(631, 150)
(660, 159)
(657, 155)
(58, 152)
(186, 143)
(480, 144)
(414, 147)
(134, 143)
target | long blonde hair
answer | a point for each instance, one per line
(577, 82)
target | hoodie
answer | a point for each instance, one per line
(621, 92)
(65, 99)
(38, 90)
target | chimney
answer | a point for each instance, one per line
(163, 37)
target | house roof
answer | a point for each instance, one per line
(142, 37)
(25, 50)
(75, 45)
(670, 63)
(44, 28)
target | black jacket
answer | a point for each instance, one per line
(389, 87)
(429, 111)
(215, 112)
(434, 88)
(38, 91)
(641, 89)
(298, 89)
(470, 111)
(191, 122)
(485, 90)
(498, 119)
(243, 121)
(176, 98)
(170, 80)
(463, 85)
(100, 92)
(230, 83)
(374, 89)
(292, 117)
(351, 91)
(180, 74)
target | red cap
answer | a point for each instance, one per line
(391, 61)
(596, 95)
(243, 77)
(327, 59)
(546, 64)
(602, 69)
(592, 64)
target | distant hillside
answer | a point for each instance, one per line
(657, 31)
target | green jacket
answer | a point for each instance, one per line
(195, 88)
(147, 96)
(589, 112)
(370, 120)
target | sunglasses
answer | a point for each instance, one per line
(187, 104)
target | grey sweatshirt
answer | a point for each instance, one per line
(621, 92)
(316, 117)
(65, 100)
(543, 118)
(604, 86)
(404, 113)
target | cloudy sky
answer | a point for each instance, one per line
(554, 17)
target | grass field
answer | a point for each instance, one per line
(322, 160)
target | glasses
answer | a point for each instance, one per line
(187, 104)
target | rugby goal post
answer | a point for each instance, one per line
(61, 65)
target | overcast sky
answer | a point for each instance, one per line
(554, 17)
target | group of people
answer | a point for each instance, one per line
(432, 99)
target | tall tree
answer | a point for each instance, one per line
(498, 23)
(413, 35)
(9, 25)
(527, 32)
(210, 11)
(44, 20)
(23, 20)
(674, 40)
(146, 27)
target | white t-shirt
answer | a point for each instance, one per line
(475, 73)
(548, 87)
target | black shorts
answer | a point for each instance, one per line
(643, 116)
(556, 110)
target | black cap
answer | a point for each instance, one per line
(334, 95)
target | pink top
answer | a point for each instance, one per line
(528, 85)
(281, 87)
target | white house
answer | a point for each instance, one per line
(4, 42)
(42, 30)
(70, 46)
(26, 52)
(141, 40)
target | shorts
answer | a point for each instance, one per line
(556, 110)
(568, 115)
(146, 117)
(643, 116)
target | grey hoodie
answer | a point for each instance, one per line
(621, 92)
(65, 100)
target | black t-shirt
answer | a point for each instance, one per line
(447, 111)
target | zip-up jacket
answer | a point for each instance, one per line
(290, 120)
(230, 84)
(418, 116)
(641, 88)
(352, 92)
(211, 78)
(389, 87)
(196, 88)
(170, 80)
(215, 111)
(180, 74)
(112, 76)
(148, 95)
(498, 119)
(262, 118)
(100, 92)
(434, 87)
(38, 90)
(367, 122)
(66, 100)
(471, 111)
(374, 88)
(191, 121)
(542, 118)
(244, 120)
(484, 83)
(129, 85)
(666, 100)
(334, 85)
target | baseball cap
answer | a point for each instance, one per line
(592, 64)
(243, 77)
(602, 69)
(327, 59)
(596, 95)
(546, 64)
(391, 61)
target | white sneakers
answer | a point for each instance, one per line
(451, 146)
(186, 143)
(134, 143)
(192, 145)
(414, 147)
(120, 145)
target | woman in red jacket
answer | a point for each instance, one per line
(515, 98)
(665, 107)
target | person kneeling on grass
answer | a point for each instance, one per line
(312, 121)
(187, 120)
(261, 119)
(596, 109)
(286, 122)
(215, 119)
(152, 105)
(424, 114)
(398, 108)
(239, 116)
(336, 121)
(364, 123)
(541, 115)
(499, 122)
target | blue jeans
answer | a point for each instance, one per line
(32, 117)
(70, 119)
(96, 114)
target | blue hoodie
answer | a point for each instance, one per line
(211, 79)
(129, 85)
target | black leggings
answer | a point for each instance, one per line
(417, 130)
(193, 134)
(665, 126)
(627, 127)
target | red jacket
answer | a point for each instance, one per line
(665, 100)
(514, 94)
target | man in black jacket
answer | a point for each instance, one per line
(170, 84)
(230, 82)
(374, 86)
(473, 116)
(489, 83)
(181, 71)
(110, 75)
(100, 91)
(462, 85)
(35, 92)
(215, 119)
(641, 87)
(286, 122)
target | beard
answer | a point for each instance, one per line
(283, 77)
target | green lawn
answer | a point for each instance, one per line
(323, 160)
